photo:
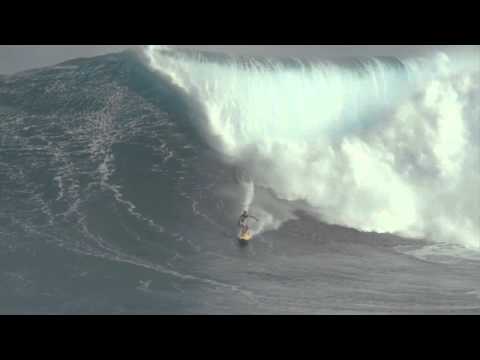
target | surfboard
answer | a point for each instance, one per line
(246, 237)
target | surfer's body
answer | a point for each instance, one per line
(243, 221)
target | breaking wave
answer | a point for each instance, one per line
(381, 145)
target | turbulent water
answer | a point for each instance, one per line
(122, 178)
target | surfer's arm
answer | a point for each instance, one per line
(253, 217)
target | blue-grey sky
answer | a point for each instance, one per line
(14, 58)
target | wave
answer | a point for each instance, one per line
(380, 145)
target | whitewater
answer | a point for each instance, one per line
(380, 145)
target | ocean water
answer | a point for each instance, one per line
(122, 178)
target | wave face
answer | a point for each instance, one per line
(96, 158)
(380, 145)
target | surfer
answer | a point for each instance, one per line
(243, 221)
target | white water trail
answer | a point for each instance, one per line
(249, 188)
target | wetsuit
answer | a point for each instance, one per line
(243, 222)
